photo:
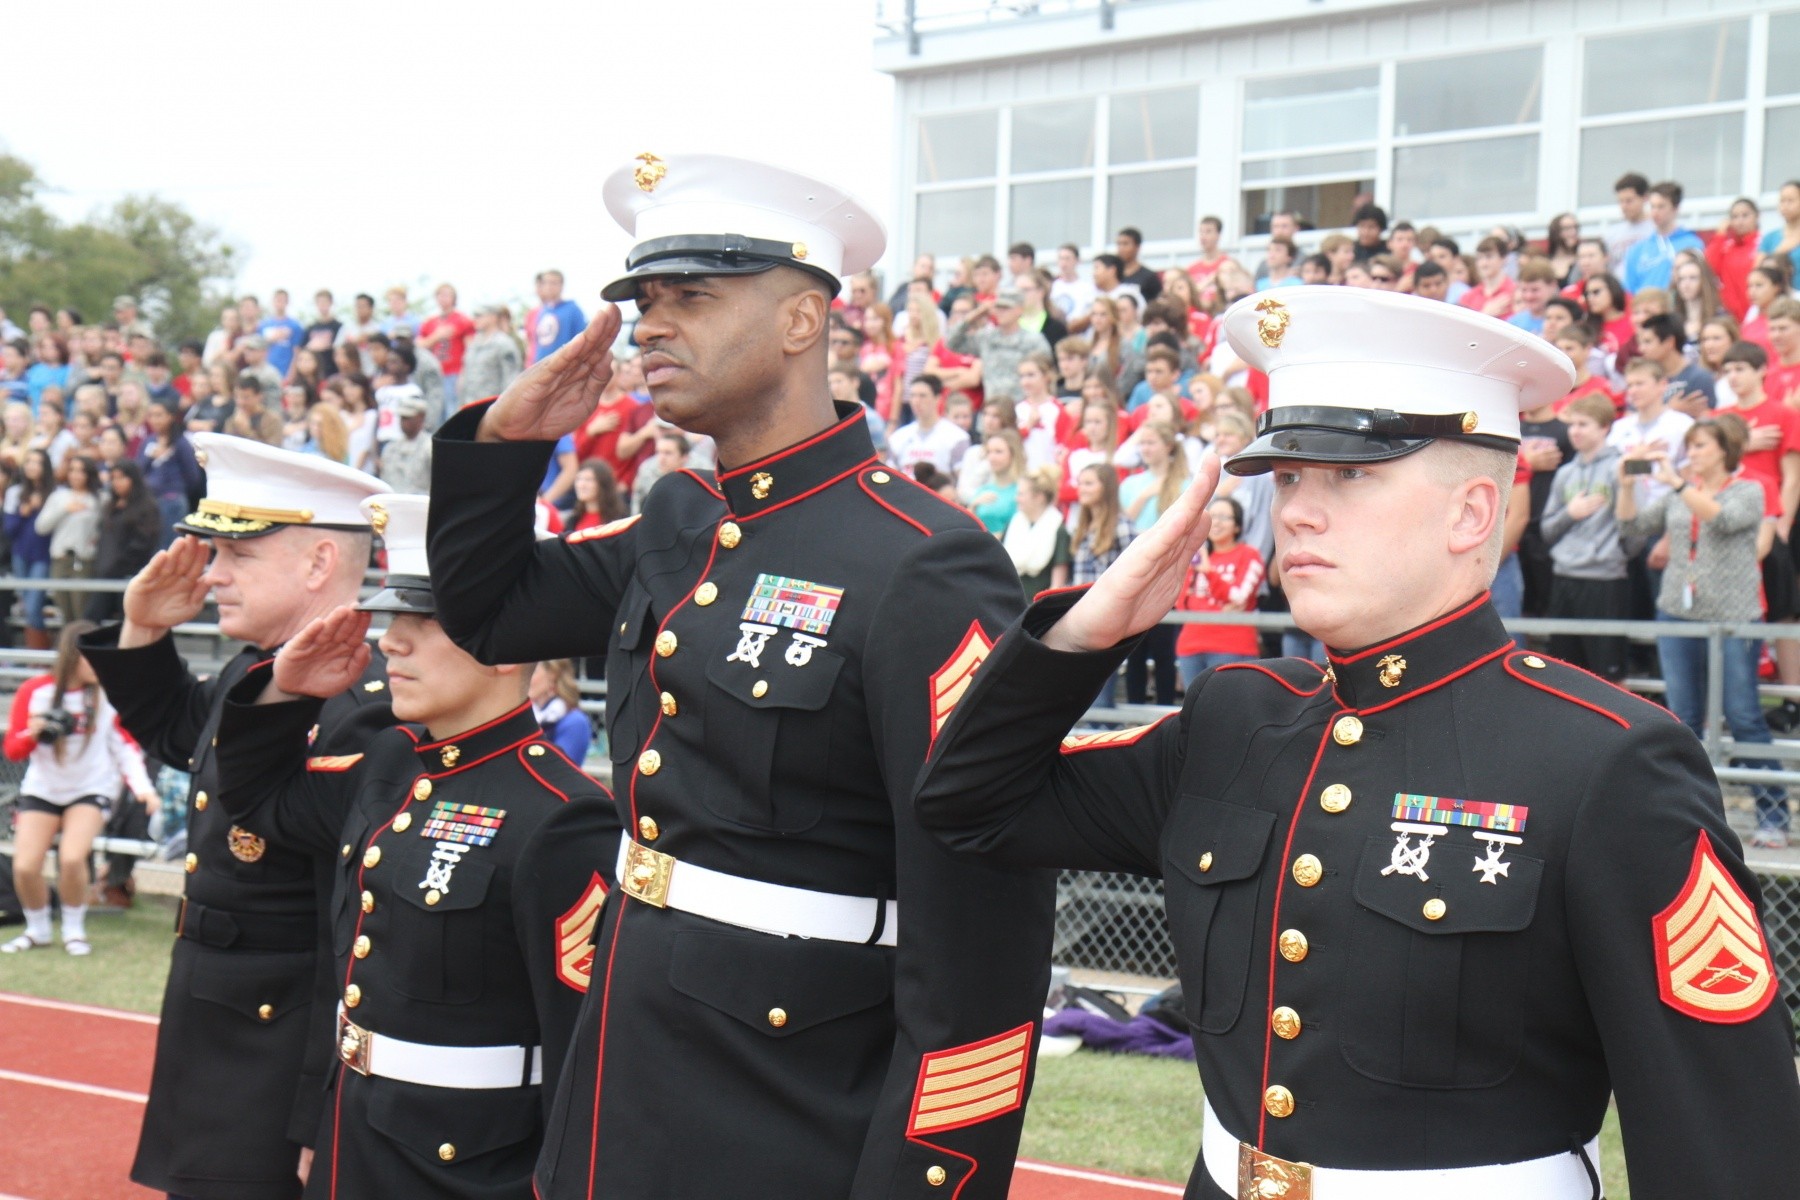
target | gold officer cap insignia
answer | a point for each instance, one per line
(650, 172)
(1272, 326)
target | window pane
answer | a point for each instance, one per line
(958, 146)
(1158, 203)
(1319, 205)
(1148, 126)
(1692, 64)
(1053, 137)
(1467, 178)
(1311, 110)
(1784, 54)
(1434, 95)
(1360, 163)
(1049, 214)
(956, 223)
(1781, 147)
(1705, 153)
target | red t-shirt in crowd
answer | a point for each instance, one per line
(461, 330)
(1231, 577)
(1731, 259)
(1765, 465)
(1593, 384)
(1203, 269)
(633, 415)
(1782, 382)
(1477, 296)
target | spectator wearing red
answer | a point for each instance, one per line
(882, 357)
(447, 334)
(1099, 432)
(618, 432)
(1609, 318)
(1181, 292)
(1043, 422)
(1212, 257)
(1782, 381)
(1767, 285)
(1225, 577)
(1590, 263)
(1491, 291)
(598, 500)
(1732, 254)
(1576, 341)
(961, 373)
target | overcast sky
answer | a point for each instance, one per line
(359, 145)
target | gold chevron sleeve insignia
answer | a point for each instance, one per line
(968, 1084)
(1712, 960)
(575, 937)
(610, 529)
(952, 679)
(332, 762)
(1108, 739)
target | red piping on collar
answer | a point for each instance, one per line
(1412, 635)
(1277, 678)
(803, 495)
(863, 482)
(525, 761)
(814, 440)
(468, 733)
(1436, 683)
(1575, 700)
(695, 476)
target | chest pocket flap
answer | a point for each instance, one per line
(467, 886)
(1208, 844)
(1212, 843)
(806, 688)
(249, 984)
(475, 1121)
(750, 976)
(1468, 904)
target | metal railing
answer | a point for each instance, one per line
(912, 19)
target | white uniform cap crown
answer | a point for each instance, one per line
(253, 489)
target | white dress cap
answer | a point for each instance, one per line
(399, 521)
(1360, 375)
(253, 489)
(713, 214)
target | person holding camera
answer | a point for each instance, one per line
(78, 756)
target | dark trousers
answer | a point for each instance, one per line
(1157, 646)
(1539, 572)
(1595, 600)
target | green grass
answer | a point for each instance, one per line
(1135, 1116)
(127, 969)
(1141, 1116)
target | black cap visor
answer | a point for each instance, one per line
(699, 255)
(1343, 435)
(402, 594)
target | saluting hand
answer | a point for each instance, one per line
(557, 395)
(169, 591)
(1140, 588)
(326, 657)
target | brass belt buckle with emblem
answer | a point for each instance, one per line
(353, 1045)
(1264, 1177)
(647, 874)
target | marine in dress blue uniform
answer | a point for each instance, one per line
(470, 871)
(1434, 902)
(245, 1016)
(799, 991)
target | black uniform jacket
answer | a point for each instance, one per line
(246, 1006)
(782, 643)
(1358, 1006)
(468, 883)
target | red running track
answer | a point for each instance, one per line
(72, 1084)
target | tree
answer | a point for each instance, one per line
(142, 246)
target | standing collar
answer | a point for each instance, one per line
(475, 745)
(1420, 659)
(801, 469)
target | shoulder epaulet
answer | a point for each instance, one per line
(912, 502)
(558, 774)
(1569, 683)
(1301, 676)
(610, 529)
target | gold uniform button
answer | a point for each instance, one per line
(1347, 732)
(648, 829)
(760, 688)
(192, 863)
(1293, 944)
(1206, 862)
(200, 801)
(1435, 910)
(730, 535)
(352, 996)
(447, 1152)
(422, 790)
(433, 896)
(1533, 661)
(649, 762)
(1308, 870)
(345, 852)
(1278, 1102)
(706, 593)
(880, 477)
(1286, 1023)
(1335, 799)
(403, 822)
(535, 751)
(371, 856)
(778, 1017)
(368, 902)
(936, 1176)
(669, 707)
(666, 642)
(266, 1012)
(361, 948)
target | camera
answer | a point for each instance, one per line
(58, 723)
(1638, 466)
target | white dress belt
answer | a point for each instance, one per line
(772, 907)
(1553, 1177)
(468, 1067)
